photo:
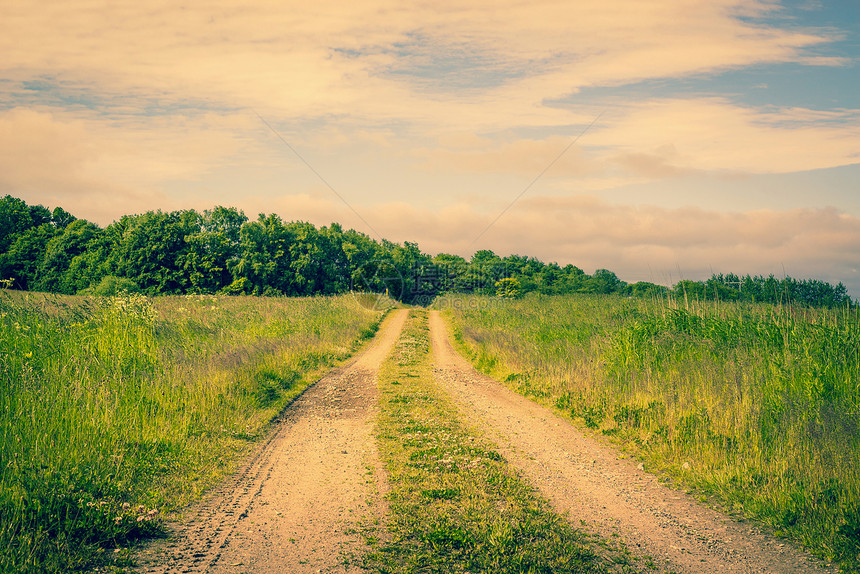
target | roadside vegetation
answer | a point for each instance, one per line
(754, 405)
(455, 504)
(118, 411)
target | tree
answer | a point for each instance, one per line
(644, 289)
(485, 269)
(605, 281)
(508, 288)
(40, 215)
(411, 265)
(110, 286)
(15, 218)
(62, 218)
(153, 251)
(264, 261)
(448, 273)
(212, 248)
(367, 263)
(21, 262)
(54, 273)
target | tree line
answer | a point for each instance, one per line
(223, 251)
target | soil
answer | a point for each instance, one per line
(300, 503)
(613, 496)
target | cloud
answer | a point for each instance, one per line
(48, 160)
(340, 57)
(35, 149)
(659, 164)
(527, 157)
(416, 71)
(714, 134)
(665, 138)
(85, 164)
(644, 243)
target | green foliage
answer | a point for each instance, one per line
(644, 289)
(21, 262)
(117, 411)
(15, 218)
(756, 404)
(212, 248)
(759, 289)
(221, 251)
(154, 252)
(110, 286)
(508, 288)
(55, 273)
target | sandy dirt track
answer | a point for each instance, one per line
(295, 505)
(579, 475)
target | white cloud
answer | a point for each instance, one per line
(87, 165)
(713, 134)
(330, 57)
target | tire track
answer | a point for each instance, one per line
(290, 507)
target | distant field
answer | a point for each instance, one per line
(757, 405)
(117, 411)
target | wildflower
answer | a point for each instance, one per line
(126, 505)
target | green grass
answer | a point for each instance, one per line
(115, 412)
(756, 405)
(455, 504)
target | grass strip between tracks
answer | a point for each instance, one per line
(455, 504)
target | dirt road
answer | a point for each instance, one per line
(579, 475)
(293, 506)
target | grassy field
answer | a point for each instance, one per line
(756, 406)
(115, 412)
(455, 504)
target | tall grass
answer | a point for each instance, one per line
(757, 404)
(115, 411)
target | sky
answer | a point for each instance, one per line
(663, 140)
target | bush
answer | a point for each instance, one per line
(111, 286)
(509, 288)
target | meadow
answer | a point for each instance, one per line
(116, 412)
(754, 407)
